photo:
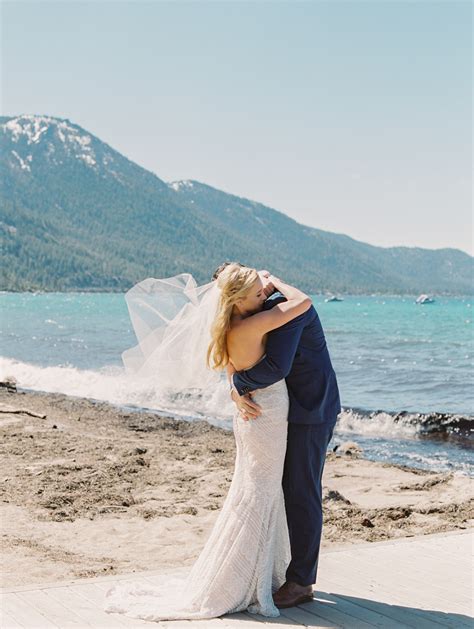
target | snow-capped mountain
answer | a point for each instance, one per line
(44, 141)
(76, 214)
(56, 140)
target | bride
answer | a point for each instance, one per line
(246, 555)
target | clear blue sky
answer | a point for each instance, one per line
(354, 117)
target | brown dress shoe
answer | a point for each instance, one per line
(291, 594)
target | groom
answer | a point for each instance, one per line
(297, 351)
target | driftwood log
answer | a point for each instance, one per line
(20, 411)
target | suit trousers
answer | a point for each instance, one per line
(302, 488)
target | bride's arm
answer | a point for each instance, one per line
(281, 348)
(296, 304)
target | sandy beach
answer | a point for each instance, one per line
(90, 489)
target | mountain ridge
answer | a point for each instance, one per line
(78, 215)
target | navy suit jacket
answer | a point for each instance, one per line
(297, 351)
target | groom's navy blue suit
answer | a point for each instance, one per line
(297, 351)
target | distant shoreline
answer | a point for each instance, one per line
(82, 291)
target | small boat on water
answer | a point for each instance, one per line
(425, 299)
(334, 298)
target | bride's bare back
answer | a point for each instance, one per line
(245, 349)
(246, 338)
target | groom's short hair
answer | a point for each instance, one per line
(221, 267)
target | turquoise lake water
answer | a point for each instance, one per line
(405, 371)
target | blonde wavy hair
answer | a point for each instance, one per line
(235, 282)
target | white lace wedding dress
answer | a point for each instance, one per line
(246, 555)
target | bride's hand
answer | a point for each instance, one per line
(247, 407)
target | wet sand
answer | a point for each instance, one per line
(90, 489)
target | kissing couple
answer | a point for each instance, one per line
(266, 337)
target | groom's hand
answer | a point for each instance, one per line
(268, 287)
(247, 407)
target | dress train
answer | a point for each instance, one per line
(244, 560)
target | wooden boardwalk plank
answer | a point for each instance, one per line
(7, 621)
(277, 623)
(419, 582)
(425, 558)
(357, 611)
(56, 612)
(25, 615)
(91, 615)
(396, 608)
(411, 590)
(406, 564)
(303, 617)
(329, 610)
(406, 577)
(388, 607)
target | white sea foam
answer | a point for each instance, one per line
(112, 384)
(377, 425)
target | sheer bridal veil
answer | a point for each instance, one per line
(172, 320)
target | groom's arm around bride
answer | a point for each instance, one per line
(296, 351)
